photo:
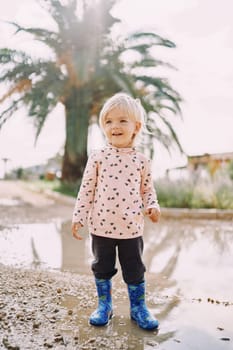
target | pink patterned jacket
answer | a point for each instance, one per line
(117, 185)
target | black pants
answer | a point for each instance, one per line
(130, 257)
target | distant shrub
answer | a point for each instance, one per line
(224, 195)
(69, 189)
(202, 197)
(230, 170)
(216, 193)
(174, 193)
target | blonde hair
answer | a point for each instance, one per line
(130, 106)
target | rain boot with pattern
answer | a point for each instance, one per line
(102, 315)
(138, 309)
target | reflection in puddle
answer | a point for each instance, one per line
(192, 255)
(32, 245)
(44, 245)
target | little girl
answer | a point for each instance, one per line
(116, 188)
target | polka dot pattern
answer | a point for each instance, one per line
(116, 186)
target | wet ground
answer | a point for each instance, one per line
(47, 291)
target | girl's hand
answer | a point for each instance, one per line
(74, 228)
(153, 214)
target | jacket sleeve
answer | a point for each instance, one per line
(148, 193)
(86, 192)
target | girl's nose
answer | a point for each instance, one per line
(115, 126)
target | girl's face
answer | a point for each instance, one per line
(120, 129)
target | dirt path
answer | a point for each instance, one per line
(18, 204)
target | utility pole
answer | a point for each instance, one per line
(5, 160)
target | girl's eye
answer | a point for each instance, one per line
(108, 122)
(123, 121)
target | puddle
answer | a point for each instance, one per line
(9, 202)
(44, 245)
(31, 245)
(193, 257)
(189, 279)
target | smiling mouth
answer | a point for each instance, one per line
(117, 134)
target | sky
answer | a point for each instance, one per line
(202, 31)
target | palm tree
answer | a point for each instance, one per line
(87, 67)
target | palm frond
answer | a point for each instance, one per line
(13, 56)
(19, 72)
(50, 38)
(19, 87)
(172, 132)
(149, 62)
(164, 90)
(122, 83)
(42, 98)
(154, 39)
(8, 112)
(163, 138)
(159, 82)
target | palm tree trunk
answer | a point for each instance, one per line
(77, 120)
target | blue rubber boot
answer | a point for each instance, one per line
(102, 315)
(138, 309)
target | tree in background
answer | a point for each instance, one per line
(87, 67)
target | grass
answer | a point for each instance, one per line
(56, 186)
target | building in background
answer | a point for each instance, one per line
(201, 166)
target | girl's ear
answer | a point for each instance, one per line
(138, 126)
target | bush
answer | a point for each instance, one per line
(224, 195)
(216, 193)
(174, 193)
(69, 189)
(202, 197)
(230, 170)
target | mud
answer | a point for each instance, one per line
(47, 290)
